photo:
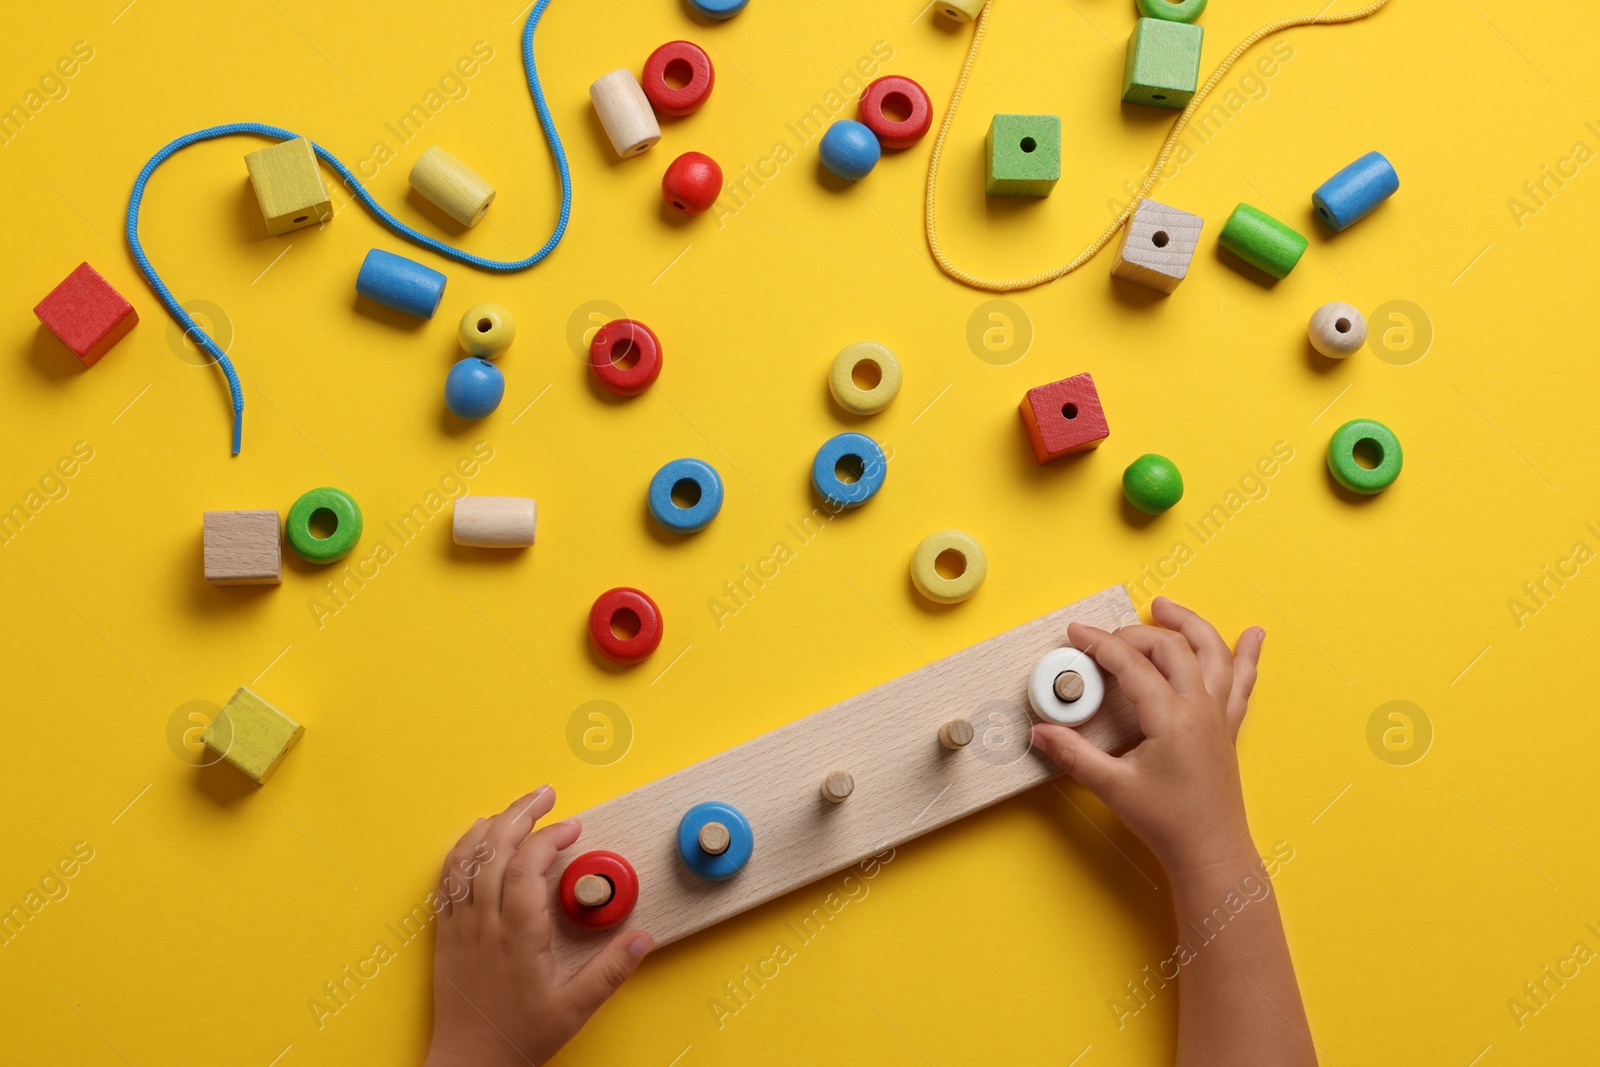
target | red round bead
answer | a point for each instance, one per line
(679, 61)
(625, 356)
(692, 183)
(902, 95)
(613, 608)
(624, 890)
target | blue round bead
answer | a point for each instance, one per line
(695, 479)
(1352, 194)
(474, 388)
(849, 446)
(850, 150)
(718, 9)
(741, 842)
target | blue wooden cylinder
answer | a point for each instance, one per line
(400, 283)
(1350, 195)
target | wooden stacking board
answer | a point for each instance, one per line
(906, 783)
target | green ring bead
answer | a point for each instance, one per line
(1172, 10)
(1152, 484)
(346, 531)
(1342, 456)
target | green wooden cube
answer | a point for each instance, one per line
(1024, 154)
(1163, 68)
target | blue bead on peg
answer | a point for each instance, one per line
(715, 840)
(850, 150)
(400, 283)
(1349, 196)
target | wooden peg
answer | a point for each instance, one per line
(714, 839)
(451, 186)
(289, 186)
(594, 891)
(956, 734)
(625, 112)
(838, 785)
(1069, 686)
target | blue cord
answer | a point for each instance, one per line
(193, 330)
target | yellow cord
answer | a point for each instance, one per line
(1006, 285)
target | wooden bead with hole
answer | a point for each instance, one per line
(598, 890)
(617, 611)
(838, 786)
(961, 10)
(494, 521)
(865, 378)
(1158, 246)
(625, 357)
(451, 186)
(625, 113)
(486, 330)
(681, 61)
(1064, 417)
(1338, 330)
(948, 566)
(890, 95)
(956, 734)
(289, 186)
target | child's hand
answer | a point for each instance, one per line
(1179, 788)
(499, 996)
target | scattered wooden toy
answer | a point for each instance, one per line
(242, 547)
(849, 470)
(954, 552)
(1262, 241)
(625, 113)
(598, 890)
(288, 186)
(1353, 193)
(1023, 154)
(685, 63)
(685, 495)
(625, 625)
(1066, 687)
(1172, 10)
(849, 150)
(894, 94)
(486, 330)
(625, 356)
(956, 734)
(1158, 246)
(1377, 443)
(1152, 484)
(1337, 330)
(494, 521)
(692, 183)
(86, 314)
(715, 840)
(325, 505)
(879, 373)
(718, 9)
(474, 388)
(1163, 64)
(1064, 417)
(837, 786)
(961, 10)
(252, 735)
(399, 283)
(451, 186)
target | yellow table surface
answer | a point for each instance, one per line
(1426, 885)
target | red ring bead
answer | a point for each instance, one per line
(637, 648)
(891, 133)
(676, 57)
(692, 183)
(624, 890)
(616, 338)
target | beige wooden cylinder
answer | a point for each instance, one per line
(494, 521)
(451, 186)
(625, 113)
(838, 786)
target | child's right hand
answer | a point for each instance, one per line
(1178, 789)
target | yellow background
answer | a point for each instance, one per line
(1419, 898)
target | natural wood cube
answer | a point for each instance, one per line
(1163, 68)
(289, 186)
(1023, 154)
(1064, 417)
(86, 314)
(252, 735)
(1158, 246)
(243, 548)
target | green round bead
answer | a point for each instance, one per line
(1172, 10)
(1152, 484)
(346, 526)
(1380, 441)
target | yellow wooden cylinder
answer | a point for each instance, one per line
(451, 186)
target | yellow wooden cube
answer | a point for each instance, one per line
(252, 735)
(289, 186)
(961, 10)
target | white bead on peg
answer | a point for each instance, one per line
(838, 785)
(494, 521)
(451, 186)
(956, 734)
(625, 112)
(1066, 687)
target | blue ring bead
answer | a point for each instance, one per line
(850, 150)
(825, 477)
(718, 9)
(1349, 196)
(400, 283)
(473, 388)
(681, 519)
(741, 842)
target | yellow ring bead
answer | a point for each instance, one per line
(487, 330)
(961, 553)
(873, 359)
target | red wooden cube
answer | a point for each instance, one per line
(86, 314)
(1064, 417)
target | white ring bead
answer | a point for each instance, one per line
(1042, 687)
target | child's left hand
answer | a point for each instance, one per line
(499, 996)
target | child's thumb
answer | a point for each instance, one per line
(1091, 767)
(604, 974)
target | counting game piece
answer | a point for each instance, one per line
(718, 9)
(954, 552)
(692, 183)
(1379, 444)
(625, 625)
(734, 836)
(598, 890)
(849, 470)
(252, 735)
(956, 734)
(494, 521)
(685, 495)
(682, 62)
(474, 388)
(1064, 417)
(1262, 241)
(714, 838)
(86, 314)
(289, 186)
(1337, 330)
(1023, 154)
(880, 375)
(898, 95)
(1163, 65)
(1158, 246)
(330, 505)
(486, 330)
(242, 547)
(1352, 194)
(1066, 687)
(837, 786)
(625, 113)
(1172, 10)
(625, 356)
(849, 150)
(400, 283)
(1152, 484)
(961, 10)
(451, 186)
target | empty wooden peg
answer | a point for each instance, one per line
(494, 521)
(451, 186)
(956, 734)
(594, 890)
(625, 112)
(714, 838)
(1069, 686)
(838, 785)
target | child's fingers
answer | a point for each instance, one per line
(454, 885)
(1137, 675)
(604, 974)
(524, 902)
(1171, 654)
(1216, 662)
(1096, 770)
(500, 839)
(1245, 659)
